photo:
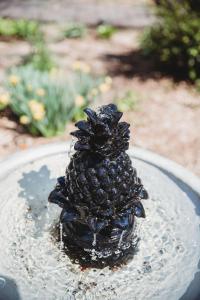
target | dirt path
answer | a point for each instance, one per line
(122, 13)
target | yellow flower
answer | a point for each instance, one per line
(29, 88)
(14, 79)
(4, 99)
(32, 104)
(104, 87)
(79, 100)
(37, 109)
(24, 120)
(108, 80)
(40, 92)
(81, 66)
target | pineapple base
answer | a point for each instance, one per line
(112, 252)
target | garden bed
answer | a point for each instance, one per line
(165, 118)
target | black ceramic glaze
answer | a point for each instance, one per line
(100, 193)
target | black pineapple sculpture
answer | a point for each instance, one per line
(100, 194)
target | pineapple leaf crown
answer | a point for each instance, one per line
(102, 133)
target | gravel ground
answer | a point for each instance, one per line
(122, 13)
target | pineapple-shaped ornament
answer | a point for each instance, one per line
(100, 193)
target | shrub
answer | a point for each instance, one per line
(128, 102)
(44, 104)
(74, 31)
(105, 31)
(175, 39)
(21, 28)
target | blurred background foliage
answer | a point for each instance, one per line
(40, 57)
(105, 31)
(75, 30)
(43, 102)
(21, 28)
(35, 90)
(57, 57)
(128, 102)
(174, 40)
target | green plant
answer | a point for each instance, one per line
(21, 28)
(40, 58)
(75, 30)
(44, 104)
(174, 40)
(105, 31)
(128, 102)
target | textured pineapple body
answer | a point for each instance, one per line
(102, 192)
(101, 183)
